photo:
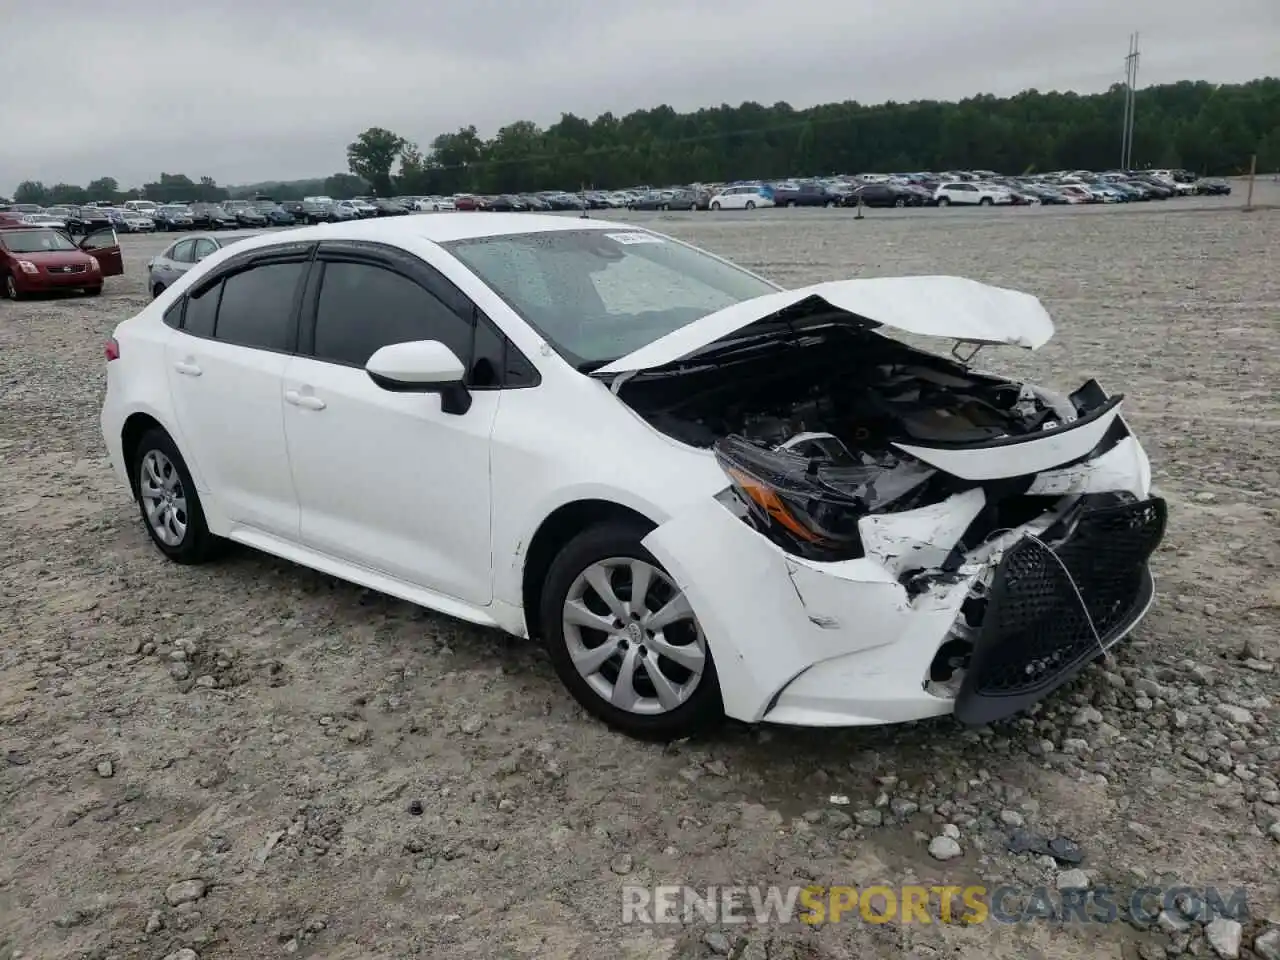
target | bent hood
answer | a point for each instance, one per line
(950, 307)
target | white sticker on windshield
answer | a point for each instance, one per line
(634, 237)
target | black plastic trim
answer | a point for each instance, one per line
(984, 695)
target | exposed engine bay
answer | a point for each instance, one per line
(806, 427)
(858, 385)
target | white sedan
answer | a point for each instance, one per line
(706, 495)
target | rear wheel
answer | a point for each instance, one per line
(900, 202)
(168, 501)
(94, 291)
(624, 639)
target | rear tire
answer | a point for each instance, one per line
(612, 551)
(94, 291)
(168, 501)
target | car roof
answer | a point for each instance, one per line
(439, 228)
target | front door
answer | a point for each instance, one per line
(104, 245)
(388, 480)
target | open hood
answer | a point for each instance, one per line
(950, 307)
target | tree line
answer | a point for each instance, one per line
(1211, 129)
(1208, 128)
(171, 188)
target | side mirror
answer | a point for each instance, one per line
(421, 366)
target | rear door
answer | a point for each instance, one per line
(104, 245)
(181, 258)
(225, 364)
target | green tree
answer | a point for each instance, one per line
(104, 188)
(31, 191)
(372, 155)
(344, 186)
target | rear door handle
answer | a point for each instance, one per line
(307, 401)
(188, 368)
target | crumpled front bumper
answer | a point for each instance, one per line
(847, 643)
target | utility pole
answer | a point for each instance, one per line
(1130, 102)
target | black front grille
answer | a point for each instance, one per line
(1036, 632)
(70, 268)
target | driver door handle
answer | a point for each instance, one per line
(187, 368)
(308, 401)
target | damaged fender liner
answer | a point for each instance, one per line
(1023, 454)
(1053, 610)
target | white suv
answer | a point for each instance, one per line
(974, 194)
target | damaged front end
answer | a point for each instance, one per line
(902, 536)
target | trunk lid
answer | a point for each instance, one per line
(936, 306)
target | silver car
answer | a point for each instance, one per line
(181, 255)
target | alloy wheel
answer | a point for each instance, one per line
(633, 637)
(163, 498)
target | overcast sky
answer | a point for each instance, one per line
(249, 90)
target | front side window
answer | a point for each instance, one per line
(182, 252)
(597, 295)
(257, 306)
(204, 247)
(364, 307)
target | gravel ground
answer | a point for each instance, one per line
(252, 759)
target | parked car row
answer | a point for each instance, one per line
(945, 188)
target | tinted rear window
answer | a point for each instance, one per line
(201, 311)
(257, 306)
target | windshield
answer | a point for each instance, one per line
(597, 295)
(35, 241)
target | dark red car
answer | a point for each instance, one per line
(37, 259)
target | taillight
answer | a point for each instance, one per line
(112, 349)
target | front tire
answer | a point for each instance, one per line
(944, 201)
(168, 501)
(638, 663)
(11, 290)
(715, 206)
(751, 204)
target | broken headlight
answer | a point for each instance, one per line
(789, 500)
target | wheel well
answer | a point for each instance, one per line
(559, 528)
(135, 428)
